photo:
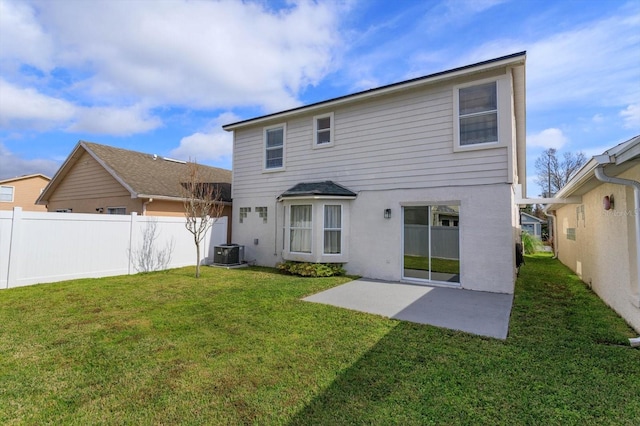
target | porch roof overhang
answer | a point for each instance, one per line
(318, 190)
(616, 160)
(523, 201)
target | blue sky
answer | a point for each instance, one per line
(163, 76)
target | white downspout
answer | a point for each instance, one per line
(554, 233)
(144, 206)
(601, 176)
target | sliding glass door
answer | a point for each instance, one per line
(431, 243)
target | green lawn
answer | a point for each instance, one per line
(438, 264)
(239, 347)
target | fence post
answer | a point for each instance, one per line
(132, 234)
(14, 247)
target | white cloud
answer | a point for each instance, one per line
(23, 39)
(631, 116)
(13, 166)
(20, 107)
(198, 54)
(114, 121)
(211, 144)
(548, 138)
(26, 108)
(595, 63)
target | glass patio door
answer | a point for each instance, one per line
(431, 243)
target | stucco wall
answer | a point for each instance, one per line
(603, 254)
(487, 228)
(25, 193)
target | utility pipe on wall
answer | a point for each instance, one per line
(601, 176)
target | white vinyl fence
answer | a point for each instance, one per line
(445, 241)
(37, 247)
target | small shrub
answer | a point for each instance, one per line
(307, 269)
(531, 243)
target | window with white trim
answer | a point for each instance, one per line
(332, 229)
(6, 194)
(477, 114)
(300, 228)
(323, 130)
(274, 141)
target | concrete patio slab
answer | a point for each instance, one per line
(481, 313)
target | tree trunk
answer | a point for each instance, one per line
(197, 259)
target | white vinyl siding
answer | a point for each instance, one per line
(274, 145)
(401, 141)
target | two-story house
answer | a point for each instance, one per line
(412, 181)
(22, 191)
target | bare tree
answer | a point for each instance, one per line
(202, 205)
(148, 257)
(553, 173)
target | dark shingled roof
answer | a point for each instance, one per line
(326, 188)
(144, 175)
(155, 176)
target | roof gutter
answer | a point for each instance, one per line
(602, 161)
(168, 198)
(512, 60)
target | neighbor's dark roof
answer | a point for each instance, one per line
(326, 188)
(143, 174)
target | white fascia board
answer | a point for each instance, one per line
(43, 199)
(317, 197)
(385, 90)
(631, 152)
(110, 171)
(168, 198)
(521, 201)
(583, 175)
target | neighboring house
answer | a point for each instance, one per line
(413, 181)
(531, 224)
(107, 180)
(598, 238)
(22, 191)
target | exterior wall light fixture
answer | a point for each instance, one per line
(387, 213)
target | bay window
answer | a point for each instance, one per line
(300, 228)
(332, 229)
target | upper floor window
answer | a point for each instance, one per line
(323, 130)
(274, 141)
(6, 194)
(478, 114)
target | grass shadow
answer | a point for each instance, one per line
(564, 363)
